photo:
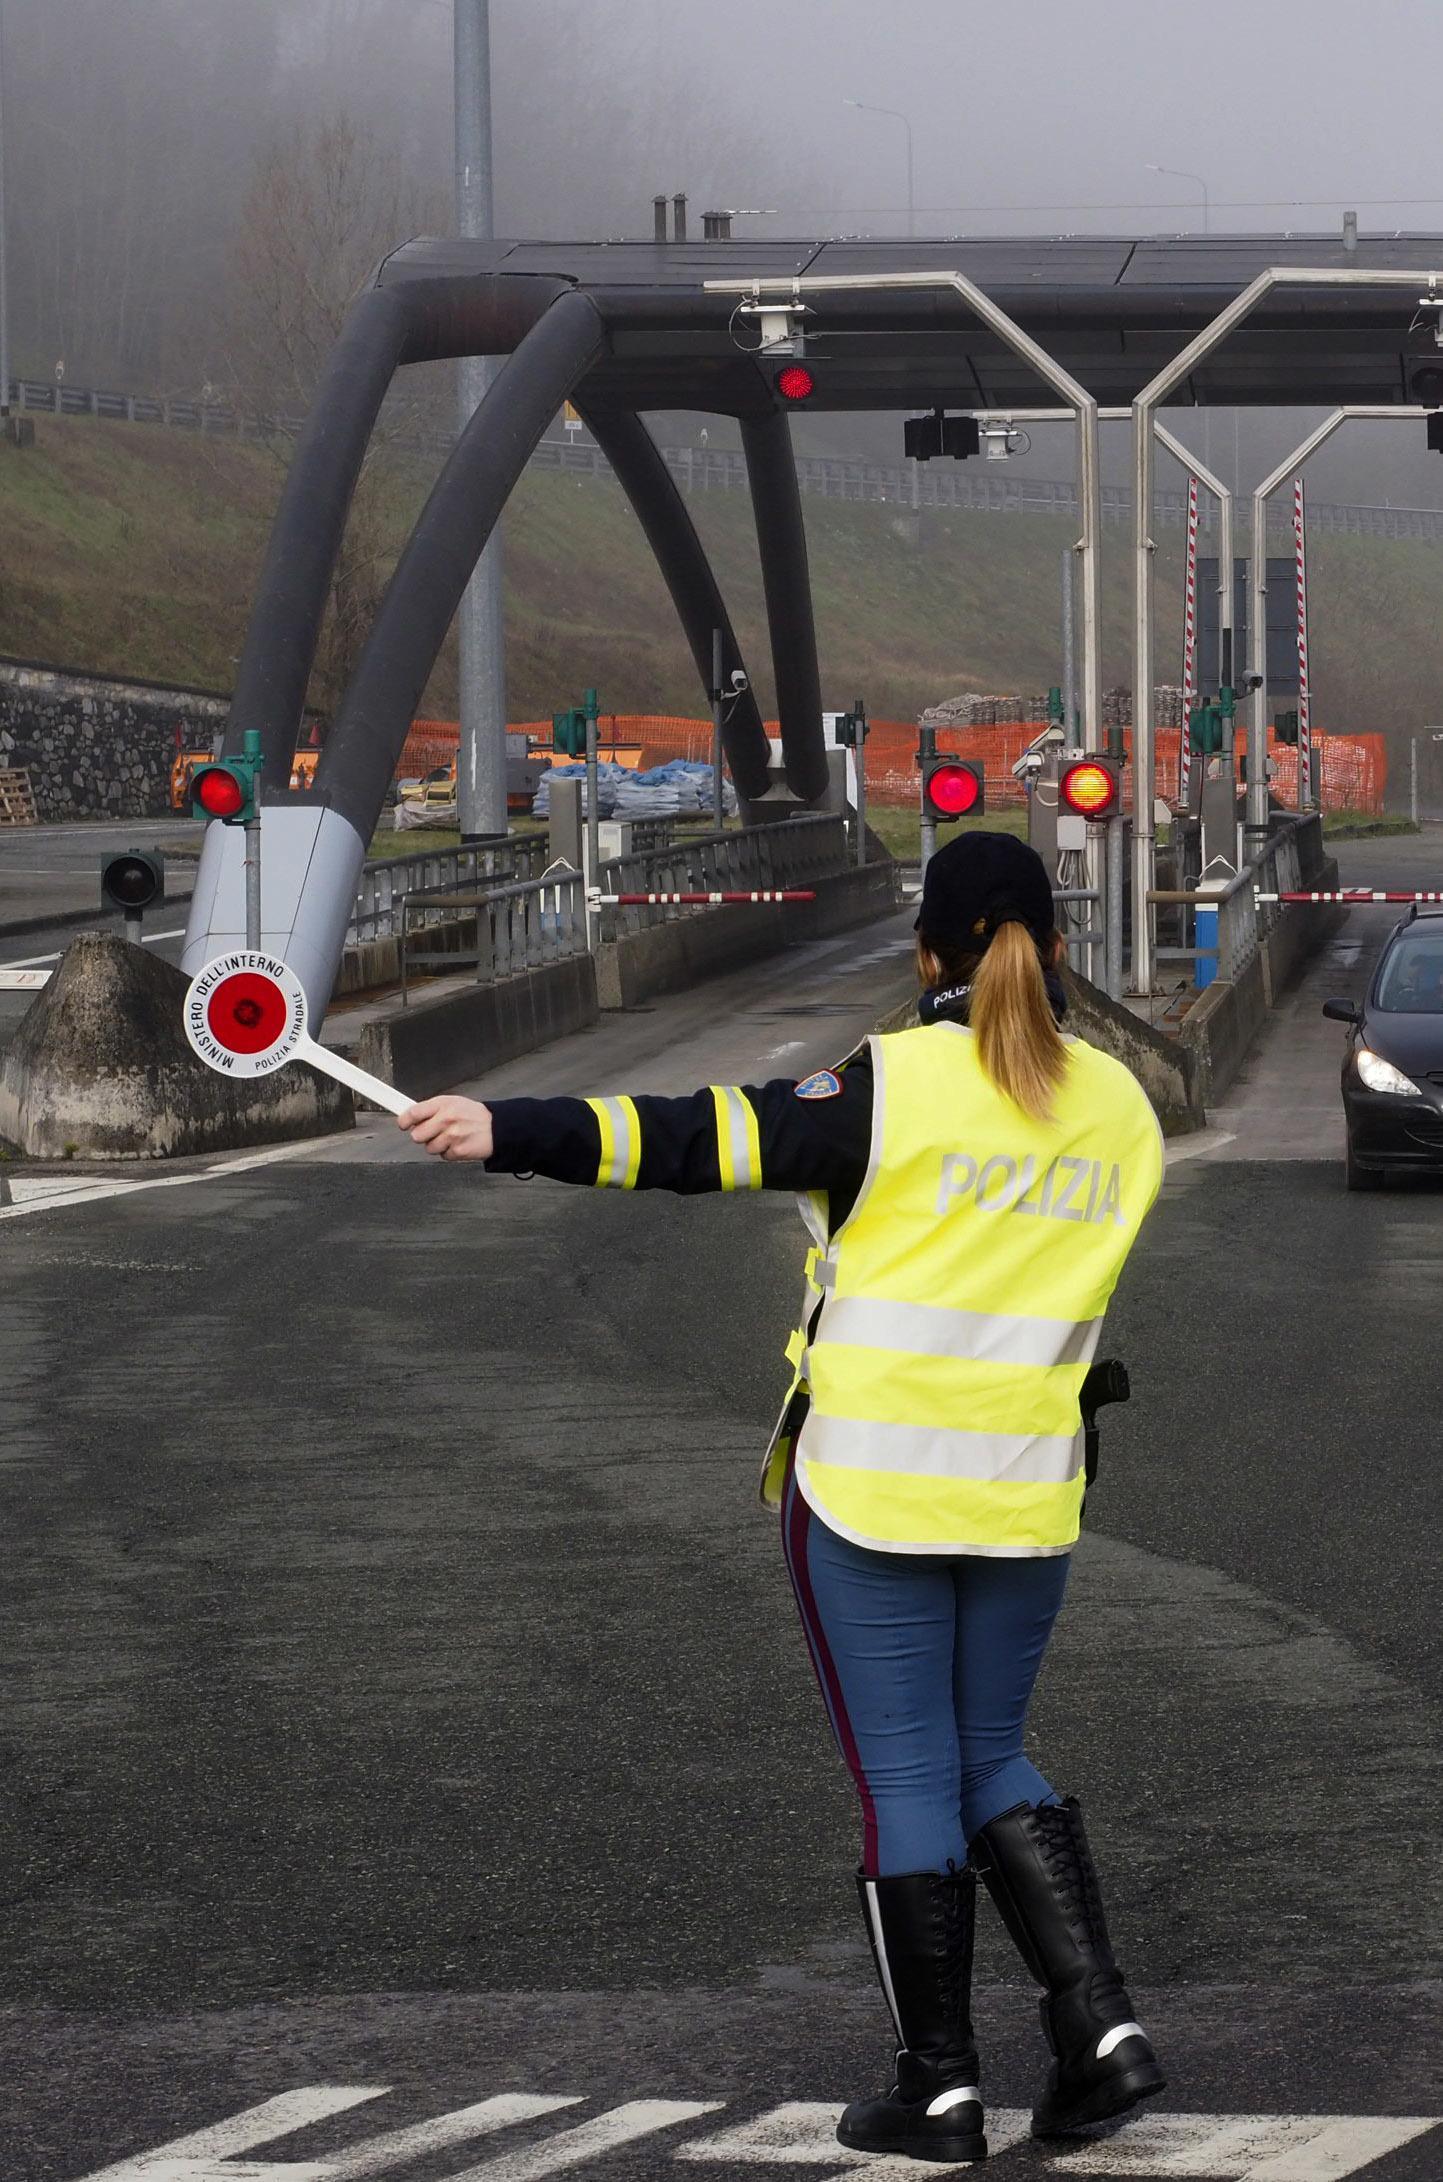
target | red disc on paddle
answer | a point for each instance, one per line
(247, 1012)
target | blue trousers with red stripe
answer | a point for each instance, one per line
(926, 1663)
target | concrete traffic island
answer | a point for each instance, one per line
(100, 1069)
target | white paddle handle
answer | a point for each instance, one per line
(370, 1087)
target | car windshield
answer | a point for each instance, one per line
(1412, 979)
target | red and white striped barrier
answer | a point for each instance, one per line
(1305, 730)
(1350, 895)
(1189, 643)
(653, 901)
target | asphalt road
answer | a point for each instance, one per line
(403, 1709)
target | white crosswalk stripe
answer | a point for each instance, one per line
(804, 2135)
(1170, 2147)
(195, 2158)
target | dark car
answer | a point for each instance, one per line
(1393, 1067)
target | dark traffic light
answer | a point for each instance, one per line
(924, 437)
(568, 731)
(132, 883)
(1285, 727)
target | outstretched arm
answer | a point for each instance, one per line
(726, 1137)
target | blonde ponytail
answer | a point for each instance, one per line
(1018, 1042)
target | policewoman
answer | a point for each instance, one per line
(972, 1187)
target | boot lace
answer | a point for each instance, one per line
(1074, 1879)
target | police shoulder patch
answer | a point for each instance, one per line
(824, 1085)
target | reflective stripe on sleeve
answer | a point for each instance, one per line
(738, 1139)
(918, 1450)
(620, 1126)
(932, 1329)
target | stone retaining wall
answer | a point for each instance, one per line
(97, 748)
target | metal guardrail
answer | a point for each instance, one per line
(721, 469)
(388, 882)
(518, 927)
(523, 923)
(788, 854)
(1242, 921)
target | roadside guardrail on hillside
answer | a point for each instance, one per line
(723, 469)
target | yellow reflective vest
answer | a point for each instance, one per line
(955, 1311)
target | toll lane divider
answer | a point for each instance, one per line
(1205, 2147)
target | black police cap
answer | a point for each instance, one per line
(978, 881)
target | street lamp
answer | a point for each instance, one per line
(1181, 174)
(864, 106)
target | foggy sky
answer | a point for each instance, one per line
(133, 126)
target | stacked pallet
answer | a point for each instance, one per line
(973, 709)
(17, 798)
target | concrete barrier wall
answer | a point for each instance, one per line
(666, 957)
(435, 1044)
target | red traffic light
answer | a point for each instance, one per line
(952, 789)
(795, 383)
(217, 792)
(1089, 788)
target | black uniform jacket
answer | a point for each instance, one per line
(813, 1136)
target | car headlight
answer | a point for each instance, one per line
(1380, 1075)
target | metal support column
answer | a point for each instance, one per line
(481, 759)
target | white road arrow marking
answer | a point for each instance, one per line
(806, 2135)
(194, 2158)
(639, 2118)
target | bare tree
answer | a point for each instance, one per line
(323, 207)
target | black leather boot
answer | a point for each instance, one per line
(1039, 1871)
(920, 1928)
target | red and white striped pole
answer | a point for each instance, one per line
(1189, 644)
(1304, 723)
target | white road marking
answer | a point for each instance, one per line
(805, 2135)
(193, 2158)
(36, 962)
(378, 2154)
(1183, 2147)
(792, 1045)
(23, 981)
(1199, 1146)
(639, 2118)
(49, 1195)
(1247, 2147)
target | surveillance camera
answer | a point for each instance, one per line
(739, 680)
(1252, 681)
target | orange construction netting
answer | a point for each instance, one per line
(1354, 767)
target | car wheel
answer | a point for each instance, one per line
(1358, 1177)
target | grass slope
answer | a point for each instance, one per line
(129, 549)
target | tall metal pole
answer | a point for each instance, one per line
(1069, 647)
(4, 276)
(718, 798)
(481, 760)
